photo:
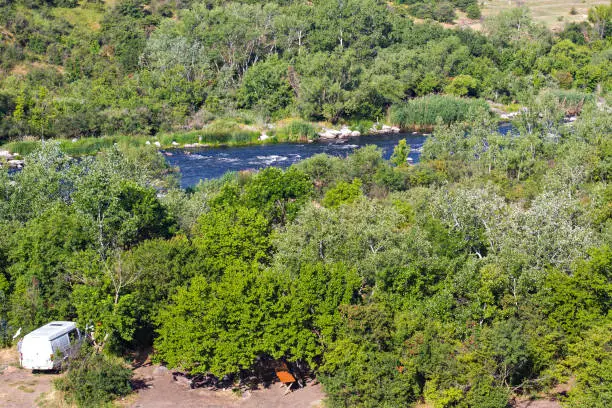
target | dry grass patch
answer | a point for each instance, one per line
(548, 12)
(85, 18)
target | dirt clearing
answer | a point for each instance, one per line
(161, 391)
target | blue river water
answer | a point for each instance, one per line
(209, 163)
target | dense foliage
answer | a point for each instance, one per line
(74, 69)
(482, 272)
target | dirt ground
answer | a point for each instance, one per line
(21, 388)
(161, 391)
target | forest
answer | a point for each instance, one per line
(480, 274)
(133, 67)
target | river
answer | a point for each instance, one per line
(208, 163)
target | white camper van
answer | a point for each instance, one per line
(48, 346)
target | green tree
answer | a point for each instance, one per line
(39, 256)
(342, 193)
(226, 236)
(462, 85)
(266, 87)
(400, 153)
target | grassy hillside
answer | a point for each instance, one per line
(143, 67)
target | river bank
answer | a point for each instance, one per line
(293, 131)
(11, 153)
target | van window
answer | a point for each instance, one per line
(60, 343)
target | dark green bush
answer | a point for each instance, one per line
(94, 380)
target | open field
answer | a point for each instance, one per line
(553, 13)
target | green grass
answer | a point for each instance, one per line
(81, 147)
(92, 145)
(85, 18)
(296, 131)
(571, 97)
(426, 112)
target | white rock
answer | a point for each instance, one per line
(508, 115)
(15, 163)
(355, 133)
(6, 154)
(263, 136)
(174, 143)
(75, 140)
(329, 133)
(157, 144)
(147, 143)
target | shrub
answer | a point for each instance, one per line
(342, 193)
(94, 380)
(473, 11)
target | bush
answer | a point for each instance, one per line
(342, 193)
(425, 112)
(94, 380)
(473, 11)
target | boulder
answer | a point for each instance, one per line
(174, 143)
(5, 154)
(345, 132)
(263, 136)
(147, 143)
(157, 144)
(15, 163)
(329, 133)
(355, 133)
